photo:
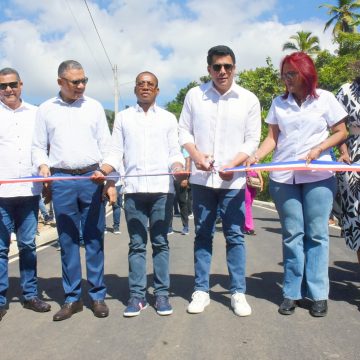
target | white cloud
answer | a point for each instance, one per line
(37, 35)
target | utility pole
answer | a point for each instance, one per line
(116, 90)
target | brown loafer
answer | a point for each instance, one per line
(67, 310)
(100, 309)
(37, 305)
(2, 312)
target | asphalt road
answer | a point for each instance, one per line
(215, 334)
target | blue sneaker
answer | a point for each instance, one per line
(162, 305)
(135, 305)
(185, 230)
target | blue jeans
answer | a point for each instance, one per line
(42, 208)
(79, 203)
(139, 209)
(206, 202)
(21, 215)
(304, 211)
(117, 208)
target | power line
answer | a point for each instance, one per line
(87, 44)
(102, 44)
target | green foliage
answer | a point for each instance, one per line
(349, 44)
(344, 16)
(176, 105)
(264, 82)
(303, 41)
(110, 117)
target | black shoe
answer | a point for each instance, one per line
(67, 310)
(287, 307)
(249, 232)
(37, 305)
(319, 308)
(2, 312)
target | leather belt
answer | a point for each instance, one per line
(81, 171)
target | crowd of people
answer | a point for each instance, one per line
(68, 136)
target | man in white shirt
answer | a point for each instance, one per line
(220, 127)
(74, 129)
(19, 202)
(146, 137)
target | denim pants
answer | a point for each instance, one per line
(79, 203)
(206, 203)
(304, 211)
(21, 215)
(139, 209)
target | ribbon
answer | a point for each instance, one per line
(64, 178)
(300, 165)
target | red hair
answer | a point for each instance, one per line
(303, 63)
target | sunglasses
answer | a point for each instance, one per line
(13, 85)
(77, 82)
(217, 67)
(289, 75)
(149, 84)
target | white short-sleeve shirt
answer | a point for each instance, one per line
(301, 129)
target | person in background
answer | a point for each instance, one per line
(182, 189)
(145, 138)
(299, 123)
(219, 126)
(19, 202)
(250, 194)
(349, 98)
(59, 123)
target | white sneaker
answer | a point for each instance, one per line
(240, 305)
(200, 299)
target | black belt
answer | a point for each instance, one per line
(81, 171)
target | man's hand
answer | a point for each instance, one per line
(98, 177)
(44, 170)
(226, 175)
(110, 192)
(179, 173)
(203, 161)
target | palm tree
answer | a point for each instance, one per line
(303, 41)
(344, 15)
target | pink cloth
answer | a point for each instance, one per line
(250, 194)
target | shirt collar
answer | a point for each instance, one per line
(59, 99)
(153, 108)
(209, 86)
(23, 106)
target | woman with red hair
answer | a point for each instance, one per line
(299, 123)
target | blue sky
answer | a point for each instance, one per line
(168, 37)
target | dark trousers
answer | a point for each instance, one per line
(182, 194)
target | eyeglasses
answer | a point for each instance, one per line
(13, 85)
(289, 75)
(217, 67)
(149, 84)
(77, 82)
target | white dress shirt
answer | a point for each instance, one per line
(16, 129)
(301, 129)
(221, 126)
(78, 134)
(148, 144)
